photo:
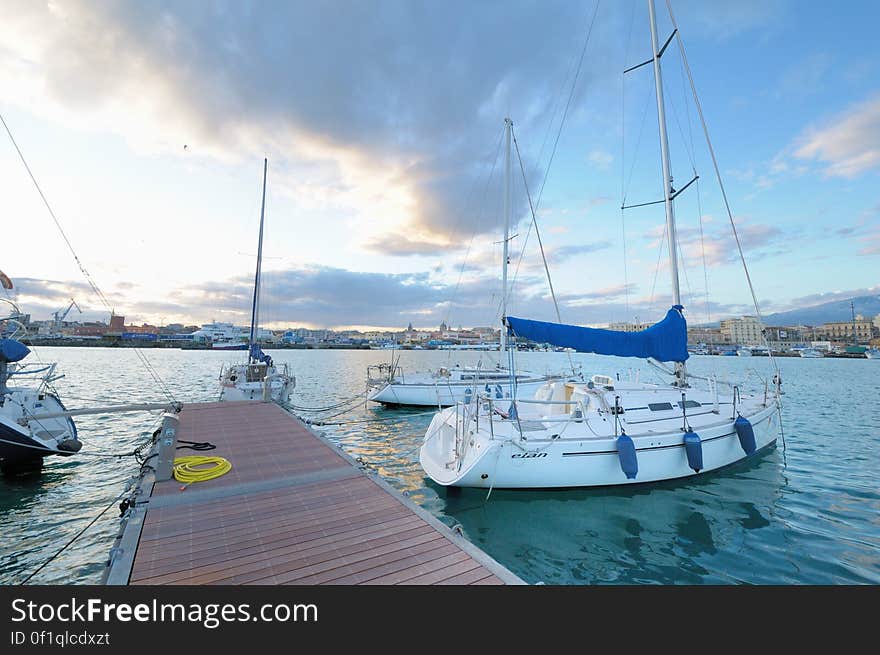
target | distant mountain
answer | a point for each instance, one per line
(829, 312)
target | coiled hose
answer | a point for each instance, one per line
(191, 469)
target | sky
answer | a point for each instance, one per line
(146, 126)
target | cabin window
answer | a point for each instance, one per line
(689, 403)
(659, 407)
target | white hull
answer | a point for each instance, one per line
(445, 393)
(812, 353)
(228, 345)
(461, 451)
(39, 438)
(256, 382)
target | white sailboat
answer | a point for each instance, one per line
(259, 378)
(811, 353)
(24, 440)
(604, 432)
(387, 384)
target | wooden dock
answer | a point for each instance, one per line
(294, 509)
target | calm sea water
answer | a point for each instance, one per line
(807, 512)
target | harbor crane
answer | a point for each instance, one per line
(60, 315)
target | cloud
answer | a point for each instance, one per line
(397, 107)
(814, 299)
(723, 20)
(849, 144)
(718, 245)
(864, 231)
(606, 294)
(563, 253)
(325, 297)
(600, 159)
(40, 298)
(400, 245)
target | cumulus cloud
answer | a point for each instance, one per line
(718, 245)
(325, 297)
(397, 105)
(848, 144)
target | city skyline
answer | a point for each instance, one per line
(382, 127)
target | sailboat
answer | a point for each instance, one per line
(387, 384)
(604, 431)
(28, 430)
(259, 378)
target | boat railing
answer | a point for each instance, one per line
(383, 374)
(462, 430)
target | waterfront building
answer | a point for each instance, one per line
(744, 331)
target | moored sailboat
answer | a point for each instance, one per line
(448, 385)
(33, 420)
(605, 432)
(259, 378)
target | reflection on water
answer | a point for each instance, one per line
(805, 513)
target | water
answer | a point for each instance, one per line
(806, 513)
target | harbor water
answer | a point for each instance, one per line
(803, 513)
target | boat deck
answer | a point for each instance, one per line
(294, 509)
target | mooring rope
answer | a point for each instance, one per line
(75, 537)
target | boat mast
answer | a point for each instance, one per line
(256, 305)
(508, 126)
(668, 189)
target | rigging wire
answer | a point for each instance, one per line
(720, 182)
(479, 220)
(556, 141)
(657, 267)
(75, 537)
(94, 286)
(543, 254)
(623, 159)
(698, 191)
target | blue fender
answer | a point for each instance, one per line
(746, 434)
(626, 452)
(693, 447)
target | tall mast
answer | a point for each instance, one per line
(508, 124)
(256, 305)
(666, 172)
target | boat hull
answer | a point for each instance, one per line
(20, 445)
(445, 394)
(278, 393)
(591, 462)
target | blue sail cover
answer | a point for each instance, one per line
(665, 341)
(258, 354)
(12, 350)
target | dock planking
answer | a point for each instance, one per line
(294, 509)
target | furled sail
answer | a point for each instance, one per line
(258, 355)
(665, 341)
(12, 350)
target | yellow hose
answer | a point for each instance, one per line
(186, 468)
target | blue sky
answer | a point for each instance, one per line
(381, 122)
